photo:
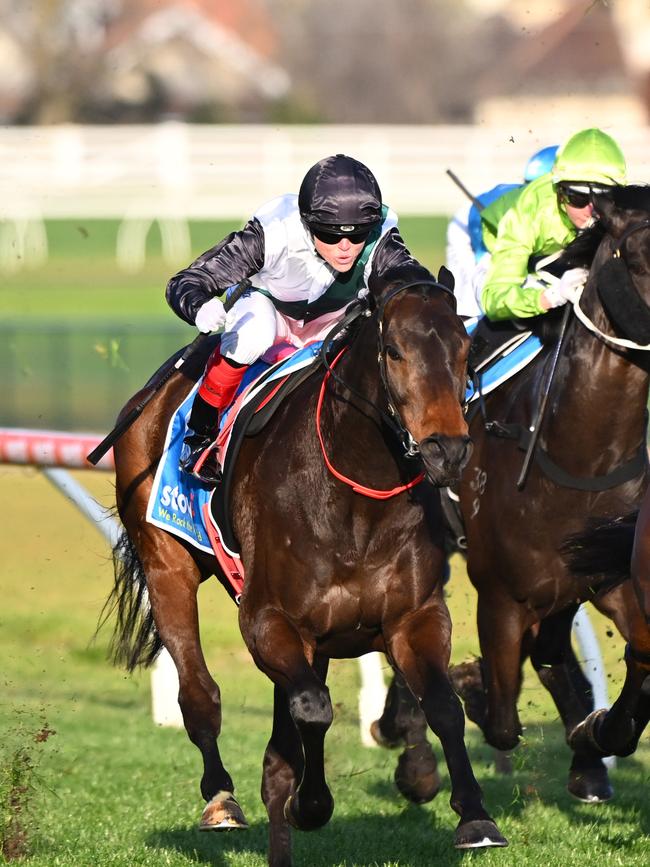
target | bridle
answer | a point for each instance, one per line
(616, 252)
(363, 308)
(587, 322)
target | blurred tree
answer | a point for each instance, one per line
(380, 61)
(349, 61)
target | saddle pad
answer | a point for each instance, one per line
(177, 499)
(512, 358)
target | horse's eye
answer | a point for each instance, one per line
(392, 353)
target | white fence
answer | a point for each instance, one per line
(204, 171)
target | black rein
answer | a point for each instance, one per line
(362, 308)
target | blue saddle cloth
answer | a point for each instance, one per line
(511, 358)
(177, 499)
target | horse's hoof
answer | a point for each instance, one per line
(479, 834)
(222, 813)
(583, 736)
(288, 813)
(592, 787)
(467, 681)
(380, 738)
(311, 816)
(416, 775)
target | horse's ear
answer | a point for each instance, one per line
(446, 278)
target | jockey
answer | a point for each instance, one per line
(307, 256)
(544, 217)
(465, 245)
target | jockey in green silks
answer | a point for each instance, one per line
(543, 218)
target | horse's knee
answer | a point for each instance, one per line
(311, 707)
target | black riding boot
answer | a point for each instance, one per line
(203, 426)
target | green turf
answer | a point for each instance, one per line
(79, 336)
(81, 278)
(110, 788)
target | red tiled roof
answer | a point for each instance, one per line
(249, 19)
(577, 51)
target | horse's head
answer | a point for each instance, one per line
(622, 264)
(423, 349)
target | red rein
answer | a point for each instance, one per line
(359, 489)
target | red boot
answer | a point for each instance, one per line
(221, 381)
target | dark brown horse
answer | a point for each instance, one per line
(590, 461)
(615, 551)
(330, 573)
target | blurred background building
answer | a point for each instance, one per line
(322, 61)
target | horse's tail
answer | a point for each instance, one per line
(603, 549)
(135, 640)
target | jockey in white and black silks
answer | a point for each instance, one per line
(307, 257)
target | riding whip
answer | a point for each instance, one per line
(535, 428)
(121, 427)
(478, 204)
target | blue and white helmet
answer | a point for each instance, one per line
(540, 163)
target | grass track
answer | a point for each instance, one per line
(112, 789)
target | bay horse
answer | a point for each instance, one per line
(619, 550)
(330, 572)
(590, 461)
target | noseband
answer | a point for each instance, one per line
(392, 418)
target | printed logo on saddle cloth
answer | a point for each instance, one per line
(177, 498)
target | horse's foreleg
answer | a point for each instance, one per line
(173, 580)
(402, 723)
(502, 624)
(557, 667)
(279, 652)
(617, 731)
(283, 768)
(420, 650)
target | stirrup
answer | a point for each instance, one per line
(207, 468)
(199, 459)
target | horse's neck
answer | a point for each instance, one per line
(601, 393)
(355, 428)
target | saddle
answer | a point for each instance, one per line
(250, 420)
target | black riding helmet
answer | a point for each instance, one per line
(340, 196)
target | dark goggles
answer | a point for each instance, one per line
(359, 237)
(580, 196)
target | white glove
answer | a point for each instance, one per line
(566, 288)
(211, 316)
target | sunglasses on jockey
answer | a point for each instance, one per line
(359, 236)
(580, 195)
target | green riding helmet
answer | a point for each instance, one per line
(590, 156)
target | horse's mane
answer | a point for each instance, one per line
(632, 198)
(581, 251)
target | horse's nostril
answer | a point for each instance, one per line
(448, 449)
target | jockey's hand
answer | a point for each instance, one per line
(211, 316)
(565, 289)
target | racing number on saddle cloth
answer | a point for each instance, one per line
(477, 485)
(340, 293)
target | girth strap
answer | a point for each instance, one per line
(632, 469)
(626, 472)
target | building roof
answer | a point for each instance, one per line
(576, 52)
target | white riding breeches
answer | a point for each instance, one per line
(461, 261)
(254, 326)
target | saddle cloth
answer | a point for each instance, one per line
(182, 504)
(511, 357)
